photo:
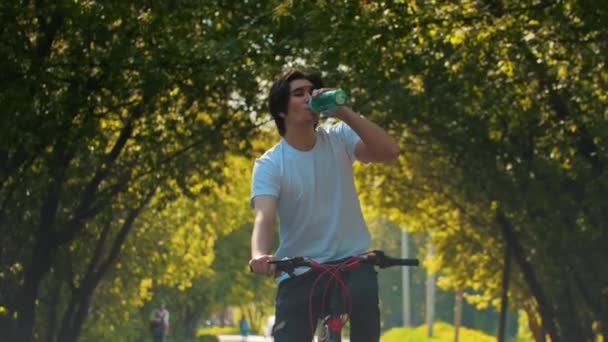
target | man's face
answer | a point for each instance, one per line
(298, 112)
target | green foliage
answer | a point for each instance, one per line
(490, 125)
(114, 112)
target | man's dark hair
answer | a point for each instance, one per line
(279, 94)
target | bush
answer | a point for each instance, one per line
(441, 332)
(200, 338)
(208, 338)
(218, 330)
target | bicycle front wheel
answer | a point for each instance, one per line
(324, 334)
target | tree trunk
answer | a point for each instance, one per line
(430, 297)
(546, 313)
(46, 243)
(506, 272)
(405, 281)
(191, 320)
(72, 327)
(78, 316)
(51, 317)
(457, 314)
(28, 293)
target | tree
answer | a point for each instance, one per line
(105, 118)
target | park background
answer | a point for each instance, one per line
(129, 128)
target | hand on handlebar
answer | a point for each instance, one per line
(260, 265)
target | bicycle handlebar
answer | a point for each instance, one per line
(377, 258)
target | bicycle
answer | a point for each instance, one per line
(330, 328)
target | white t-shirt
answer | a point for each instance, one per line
(318, 207)
(160, 316)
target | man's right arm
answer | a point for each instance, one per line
(262, 238)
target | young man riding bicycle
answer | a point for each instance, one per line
(307, 181)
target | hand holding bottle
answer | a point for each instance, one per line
(327, 101)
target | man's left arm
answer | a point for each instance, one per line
(375, 145)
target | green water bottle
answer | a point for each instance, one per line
(326, 102)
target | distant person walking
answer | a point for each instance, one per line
(244, 327)
(159, 323)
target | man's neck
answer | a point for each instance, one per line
(302, 139)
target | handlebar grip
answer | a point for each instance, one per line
(288, 265)
(403, 262)
(383, 261)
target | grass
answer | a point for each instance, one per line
(442, 332)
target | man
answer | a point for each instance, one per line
(307, 180)
(159, 323)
